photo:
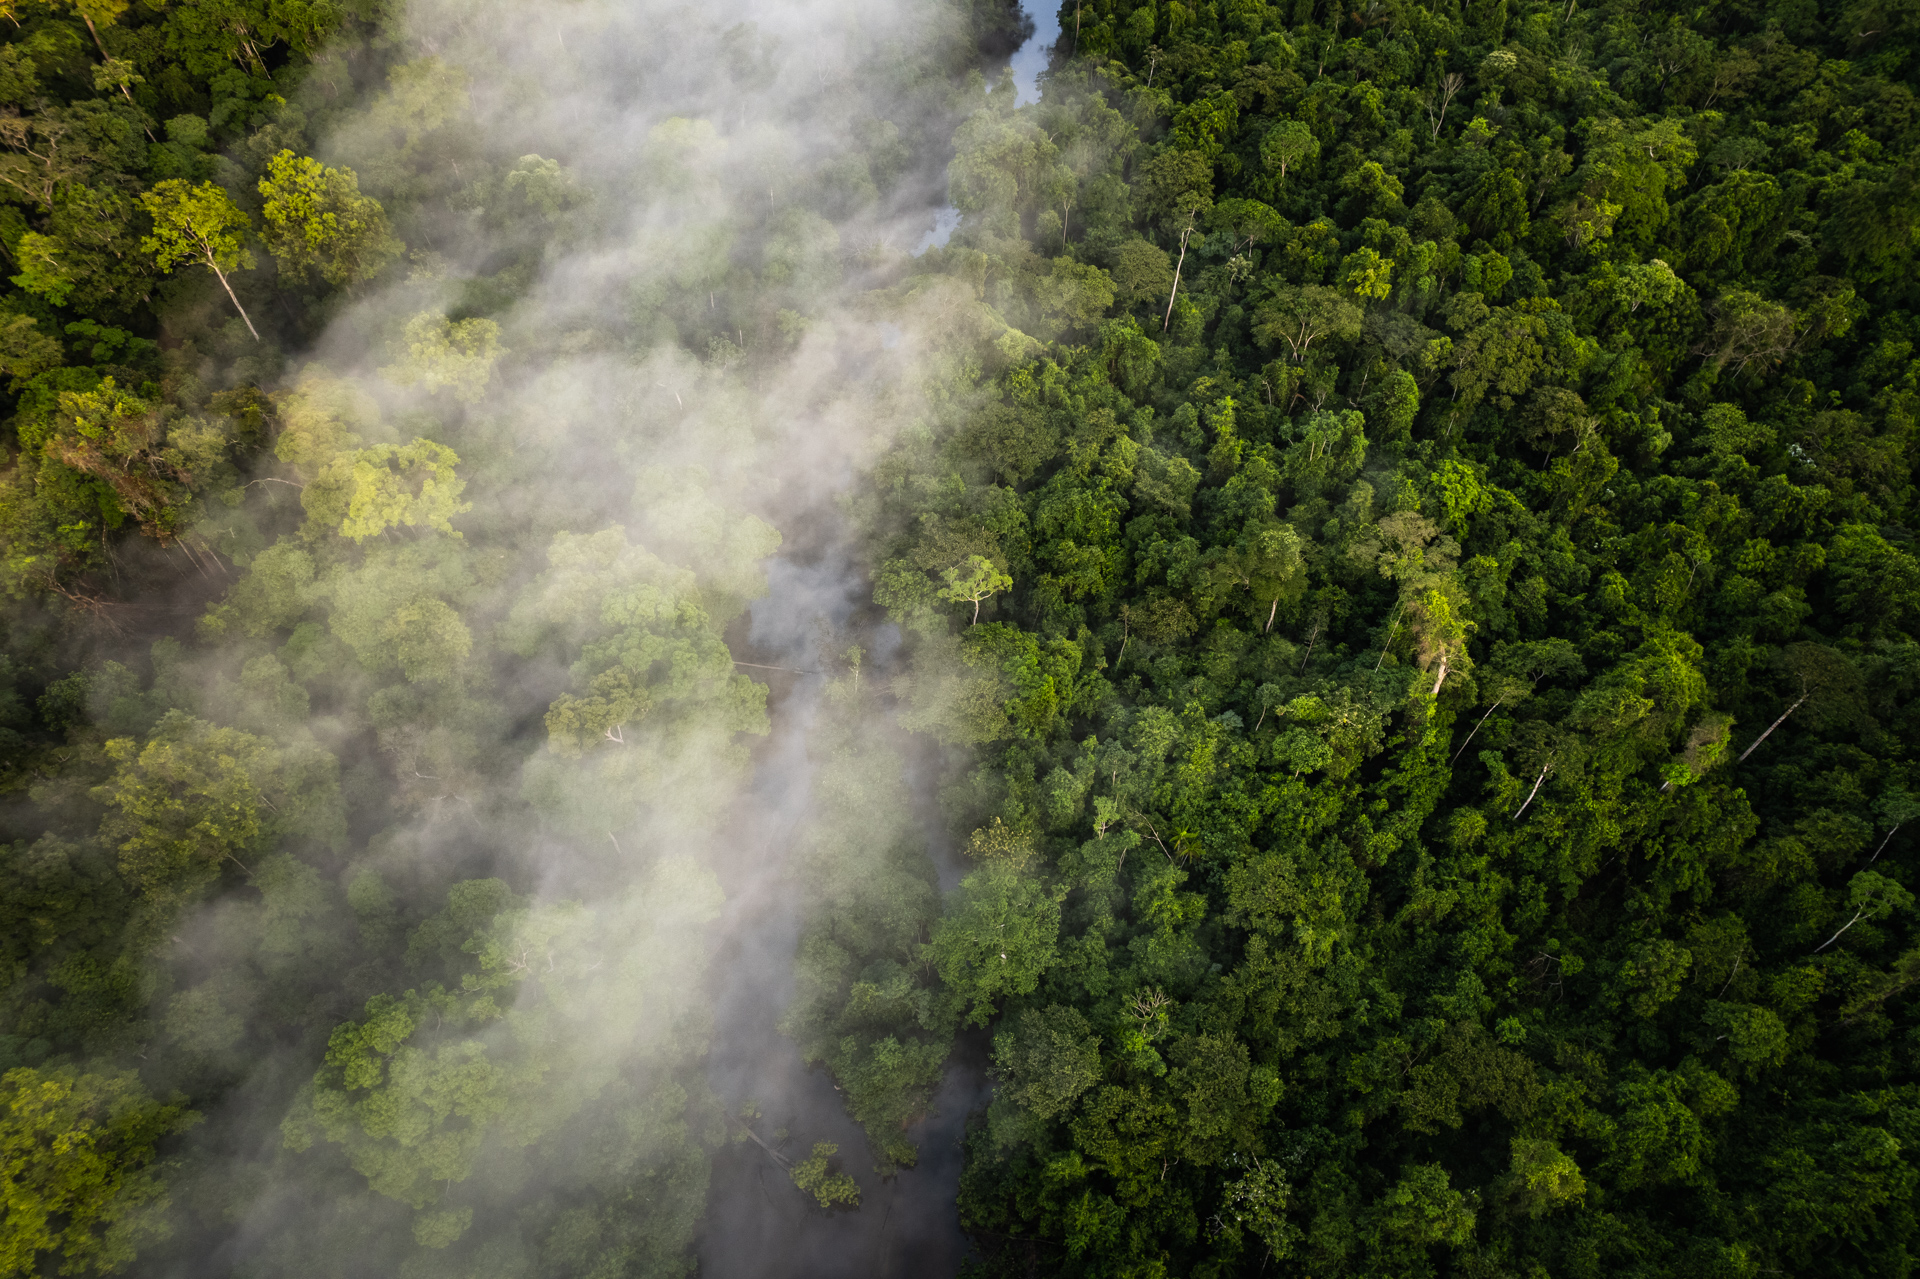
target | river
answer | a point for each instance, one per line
(1027, 64)
(758, 1224)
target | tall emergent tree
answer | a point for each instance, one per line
(199, 225)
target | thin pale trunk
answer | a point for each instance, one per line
(1476, 728)
(1125, 635)
(1730, 976)
(1857, 917)
(1391, 631)
(236, 301)
(1535, 791)
(1168, 319)
(106, 57)
(1439, 679)
(1270, 615)
(976, 612)
(1777, 723)
(194, 559)
(206, 552)
(1883, 843)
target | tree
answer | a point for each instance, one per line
(1257, 1202)
(1450, 85)
(199, 225)
(1286, 144)
(443, 354)
(999, 938)
(1267, 560)
(1367, 275)
(1826, 682)
(1049, 1061)
(1248, 221)
(89, 254)
(1542, 1177)
(974, 583)
(197, 795)
(815, 1176)
(388, 486)
(1515, 670)
(97, 14)
(1872, 896)
(1142, 272)
(1176, 187)
(1302, 316)
(1425, 1209)
(78, 1148)
(1751, 331)
(317, 221)
(1896, 808)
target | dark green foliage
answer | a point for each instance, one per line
(1458, 832)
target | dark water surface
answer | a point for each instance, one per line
(758, 1222)
(759, 1225)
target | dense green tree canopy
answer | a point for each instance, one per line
(1451, 749)
(1385, 538)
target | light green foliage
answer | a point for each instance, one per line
(974, 583)
(685, 516)
(1756, 1037)
(1662, 1137)
(95, 456)
(317, 222)
(1304, 316)
(198, 226)
(1543, 1177)
(656, 704)
(813, 1176)
(1367, 275)
(273, 595)
(1142, 272)
(24, 350)
(447, 355)
(195, 796)
(390, 610)
(90, 255)
(388, 486)
(81, 1183)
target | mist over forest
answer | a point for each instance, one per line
(1157, 638)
